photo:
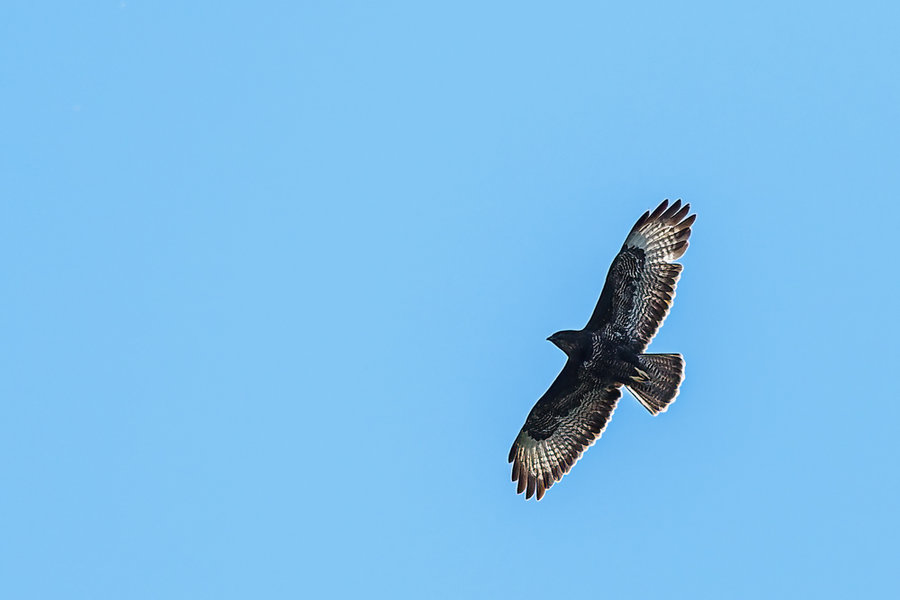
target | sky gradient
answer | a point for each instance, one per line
(277, 279)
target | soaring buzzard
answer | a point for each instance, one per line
(608, 353)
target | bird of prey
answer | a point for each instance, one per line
(609, 353)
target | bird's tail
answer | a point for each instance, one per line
(664, 374)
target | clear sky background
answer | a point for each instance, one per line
(276, 280)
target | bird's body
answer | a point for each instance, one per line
(609, 353)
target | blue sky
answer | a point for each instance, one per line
(277, 277)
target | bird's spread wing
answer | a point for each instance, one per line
(567, 419)
(641, 282)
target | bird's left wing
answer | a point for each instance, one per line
(568, 418)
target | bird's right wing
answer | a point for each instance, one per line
(568, 418)
(641, 281)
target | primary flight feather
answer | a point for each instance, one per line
(609, 353)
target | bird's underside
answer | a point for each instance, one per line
(609, 353)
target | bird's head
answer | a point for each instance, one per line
(569, 341)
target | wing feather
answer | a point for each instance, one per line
(567, 419)
(640, 286)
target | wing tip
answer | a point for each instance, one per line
(686, 223)
(671, 211)
(663, 229)
(659, 210)
(675, 215)
(640, 222)
(541, 490)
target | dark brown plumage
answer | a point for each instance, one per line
(609, 353)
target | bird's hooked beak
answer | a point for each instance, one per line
(555, 339)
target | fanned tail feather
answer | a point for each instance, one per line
(666, 372)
